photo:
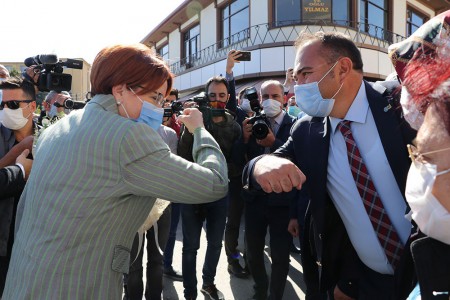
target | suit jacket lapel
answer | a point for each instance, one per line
(319, 138)
(390, 134)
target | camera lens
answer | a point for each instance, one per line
(68, 103)
(260, 129)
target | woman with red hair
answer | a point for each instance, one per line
(426, 102)
(95, 177)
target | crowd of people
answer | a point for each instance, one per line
(358, 171)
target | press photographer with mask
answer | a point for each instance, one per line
(54, 105)
(107, 164)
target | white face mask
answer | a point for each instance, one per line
(432, 218)
(310, 100)
(412, 115)
(53, 111)
(271, 107)
(13, 118)
(245, 105)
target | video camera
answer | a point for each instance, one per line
(260, 128)
(175, 108)
(51, 76)
(202, 103)
(70, 104)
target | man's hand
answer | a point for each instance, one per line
(25, 162)
(339, 295)
(276, 174)
(231, 60)
(293, 227)
(268, 140)
(192, 118)
(246, 130)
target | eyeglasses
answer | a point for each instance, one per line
(158, 98)
(13, 104)
(416, 156)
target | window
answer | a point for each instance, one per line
(164, 52)
(341, 12)
(374, 17)
(235, 22)
(191, 43)
(289, 12)
(414, 20)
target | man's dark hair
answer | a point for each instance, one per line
(334, 46)
(174, 92)
(14, 83)
(216, 79)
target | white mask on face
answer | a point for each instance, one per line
(412, 115)
(310, 100)
(271, 107)
(245, 105)
(13, 118)
(432, 218)
(53, 111)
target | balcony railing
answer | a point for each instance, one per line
(286, 31)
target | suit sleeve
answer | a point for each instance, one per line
(11, 181)
(150, 169)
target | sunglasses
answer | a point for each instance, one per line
(13, 104)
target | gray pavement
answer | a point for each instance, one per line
(231, 287)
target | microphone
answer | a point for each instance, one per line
(47, 59)
(30, 61)
(42, 59)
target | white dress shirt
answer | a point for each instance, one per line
(344, 193)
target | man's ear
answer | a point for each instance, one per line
(33, 106)
(345, 67)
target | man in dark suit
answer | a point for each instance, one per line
(352, 254)
(268, 212)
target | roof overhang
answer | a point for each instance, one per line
(437, 5)
(179, 16)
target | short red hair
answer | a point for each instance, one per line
(133, 65)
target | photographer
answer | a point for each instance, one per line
(172, 121)
(267, 210)
(226, 131)
(54, 105)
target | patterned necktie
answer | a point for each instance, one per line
(387, 235)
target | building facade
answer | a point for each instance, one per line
(196, 37)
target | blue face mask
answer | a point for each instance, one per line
(310, 100)
(294, 111)
(150, 114)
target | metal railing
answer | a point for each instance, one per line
(286, 31)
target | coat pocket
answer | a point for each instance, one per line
(121, 259)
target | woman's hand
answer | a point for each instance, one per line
(192, 118)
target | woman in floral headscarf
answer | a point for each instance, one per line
(426, 102)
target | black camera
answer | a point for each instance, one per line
(261, 125)
(51, 76)
(202, 103)
(175, 108)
